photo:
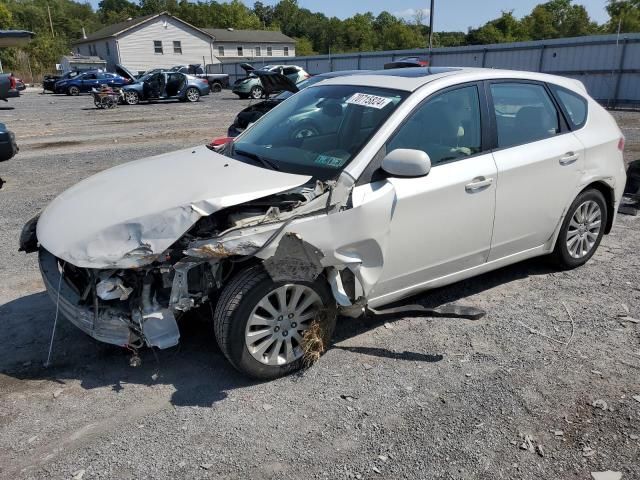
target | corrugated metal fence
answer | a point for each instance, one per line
(608, 65)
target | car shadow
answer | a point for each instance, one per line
(2, 108)
(196, 369)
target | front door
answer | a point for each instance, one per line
(89, 81)
(538, 162)
(441, 223)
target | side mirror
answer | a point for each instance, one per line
(403, 162)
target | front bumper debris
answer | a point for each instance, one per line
(106, 324)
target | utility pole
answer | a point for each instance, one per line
(50, 22)
(431, 29)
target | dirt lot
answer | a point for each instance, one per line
(414, 398)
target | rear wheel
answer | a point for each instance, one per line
(259, 323)
(216, 88)
(581, 230)
(74, 91)
(192, 94)
(131, 98)
(256, 92)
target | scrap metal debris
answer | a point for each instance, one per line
(446, 311)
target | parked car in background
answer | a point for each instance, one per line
(49, 81)
(217, 81)
(20, 85)
(287, 88)
(85, 82)
(425, 177)
(166, 86)
(251, 86)
(407, 62)
(8, 146)
(8, 87)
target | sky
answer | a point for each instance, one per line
(450, 14)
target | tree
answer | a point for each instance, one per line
(506, 28)
(6, 19)
(113, 11)
(304, 47)
(624, 14)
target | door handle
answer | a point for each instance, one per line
(568, 158)
(478, 184)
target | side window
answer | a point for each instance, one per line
(446, 126)
(574, 105)
(90, 76)
(524, 113)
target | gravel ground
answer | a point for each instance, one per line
(413, 398)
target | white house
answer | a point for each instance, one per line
(153, 41)
(250, 44)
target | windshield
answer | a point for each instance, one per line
(319, 130)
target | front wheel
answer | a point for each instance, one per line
(73, 91)
(131, 98)
(192, 94)
(259, 324)
(581, 230)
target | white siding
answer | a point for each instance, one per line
(137, 52)
(249, 49)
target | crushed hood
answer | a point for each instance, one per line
(126, 216)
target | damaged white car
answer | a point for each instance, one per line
(407, 180)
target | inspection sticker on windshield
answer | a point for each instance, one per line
(367, 100)
(329, 161)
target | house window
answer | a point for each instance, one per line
(258, 52)
(106, 44)
(240, 52)
(157, 46)
(269, 52)
(177, 47)
(221, 51)
(286, 51)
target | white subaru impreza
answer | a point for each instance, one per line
(407, 179)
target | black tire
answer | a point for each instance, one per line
(192, 95)
(256, 92)
(73, 91)
(238, 299)
(216, 87)
(242, 96)
(131, 97)
(561, 254)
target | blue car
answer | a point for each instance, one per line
(166, 86)
(85, 82)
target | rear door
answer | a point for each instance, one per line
(89, 81)
(538, 161)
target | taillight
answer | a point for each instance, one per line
(218, 142)
(12, 82)
(621, 144)
(204, 80)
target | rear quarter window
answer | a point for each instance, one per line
(574, 105)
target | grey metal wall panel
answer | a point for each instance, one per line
(594, 60)
(513, 60)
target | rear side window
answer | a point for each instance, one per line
(575, 106)
(524, 113)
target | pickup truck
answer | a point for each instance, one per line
(217, 81)
(8, 87)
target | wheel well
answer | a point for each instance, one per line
(607, 193)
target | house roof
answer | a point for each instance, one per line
(121, 27)
(258, 36)
(15, 38)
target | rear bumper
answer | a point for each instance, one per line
(107, 325)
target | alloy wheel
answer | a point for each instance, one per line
(274, 331)
(256, 92)
(193, 95)
(584, 229)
